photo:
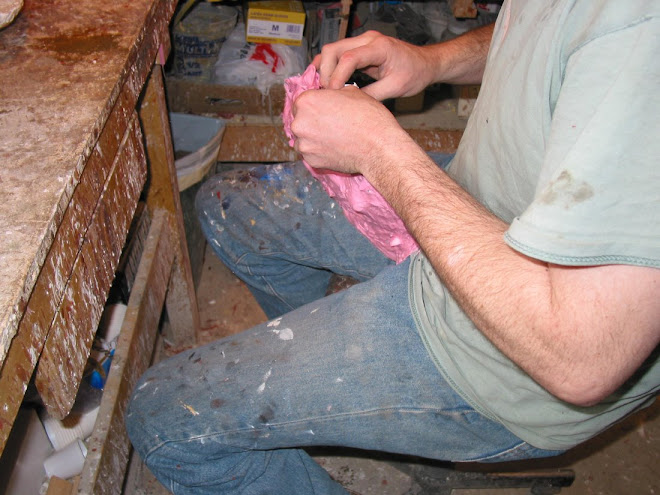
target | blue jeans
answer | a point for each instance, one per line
(346, 370)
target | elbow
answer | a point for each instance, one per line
(582, 391)
(580, 396)
(580, 371)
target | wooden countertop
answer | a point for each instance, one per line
(64, 64)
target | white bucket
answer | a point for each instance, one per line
(198, 38)
(197, 141)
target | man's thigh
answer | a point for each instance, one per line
(348, 370)
(281, 212)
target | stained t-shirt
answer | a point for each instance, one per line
(563, 144)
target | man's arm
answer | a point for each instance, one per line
(580, 332)
(402, 69)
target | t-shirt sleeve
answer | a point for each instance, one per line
(598, 199)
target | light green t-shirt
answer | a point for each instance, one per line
(564, 144)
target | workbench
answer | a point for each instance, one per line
(84, 139)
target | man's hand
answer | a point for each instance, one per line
(345, 130)
(400, 69)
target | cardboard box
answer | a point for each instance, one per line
(275, 21)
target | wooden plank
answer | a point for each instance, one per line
(266, 143)
(345, 15)
(182, 310)
(440, 140)
(49, 288)
(70, 338)
(109, 447)
(189, 96)
(58, 486)
(52, 143)
(245, 142)
(130, 257)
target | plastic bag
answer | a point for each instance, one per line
(257, 64)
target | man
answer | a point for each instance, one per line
(528, 323)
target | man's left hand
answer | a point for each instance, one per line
(344, 130)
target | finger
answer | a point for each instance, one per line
(326, 62)
(378, 90)
(352, 60)
(350, 87)
(316, 62)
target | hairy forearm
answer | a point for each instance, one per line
(461, 60)
(464, 243)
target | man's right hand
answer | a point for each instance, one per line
(402, 69)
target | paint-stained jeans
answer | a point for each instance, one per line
(348, 370)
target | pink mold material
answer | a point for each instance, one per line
(363, 205)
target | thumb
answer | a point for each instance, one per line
(379, 90)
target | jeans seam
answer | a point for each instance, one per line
(268, 426)
(355, 273)
(500, 454)
(309, 478)
(273, 292)
(174, 484)
(229, 260)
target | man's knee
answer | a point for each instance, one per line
(141, 420)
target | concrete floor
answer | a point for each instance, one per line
(625, 460)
